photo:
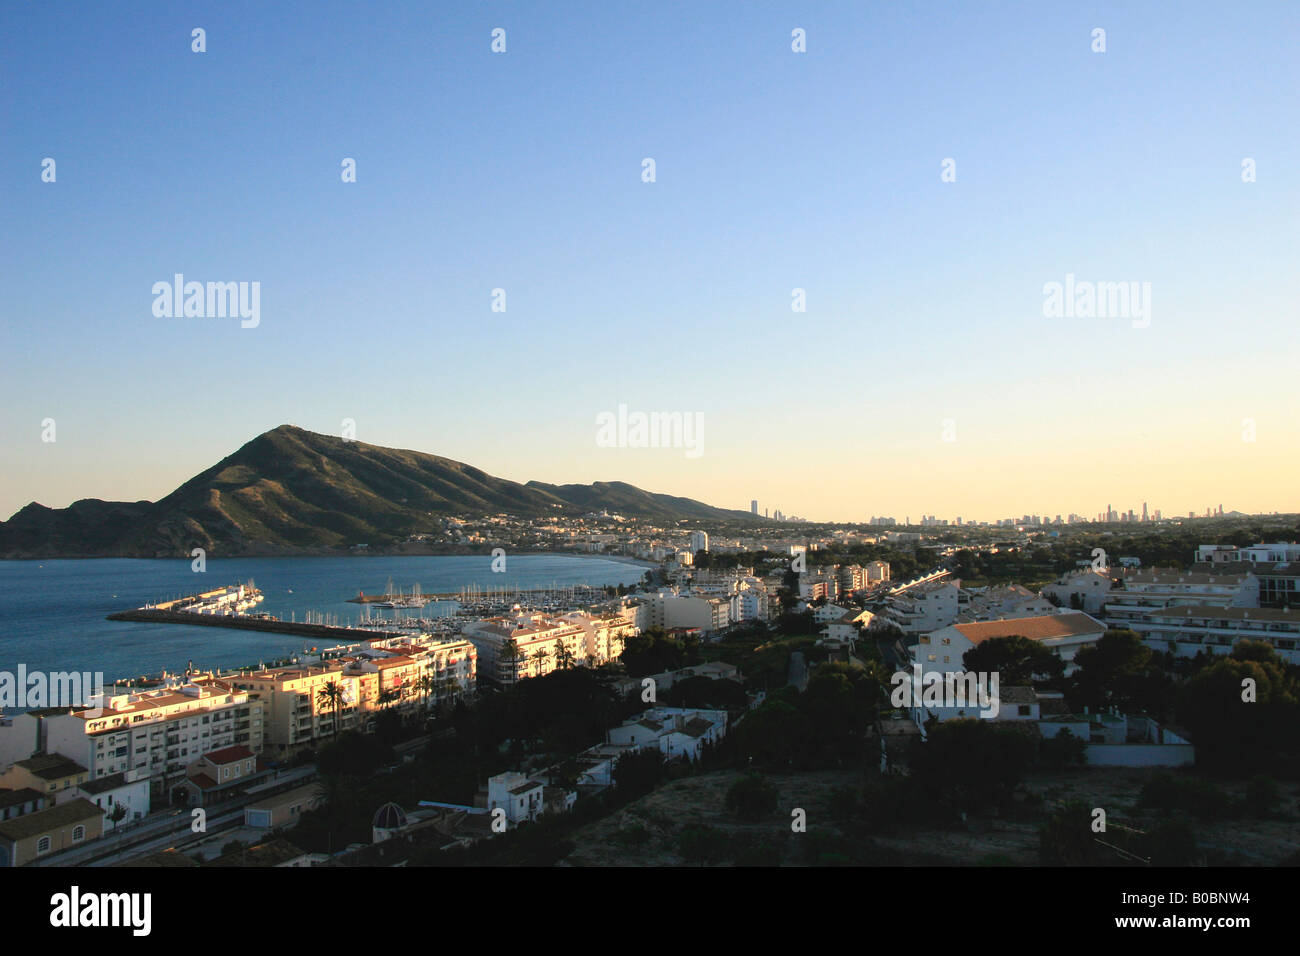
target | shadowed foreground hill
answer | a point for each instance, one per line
(294, 491)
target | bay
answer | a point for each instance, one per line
(52, 612)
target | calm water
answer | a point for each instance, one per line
(52, 613)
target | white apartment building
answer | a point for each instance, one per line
(699, 541)
(1005, 603)
(828, 612)
(750, 602)
(669, 610)
(1090, 588)
(1159, 588)
(527, 645)
(157, 732)
(924, 607)
(405, 672)
(1281, 551)
(604, 635)
(1186, 630)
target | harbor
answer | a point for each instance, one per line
(102, 621)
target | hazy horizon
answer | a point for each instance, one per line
(926, 375)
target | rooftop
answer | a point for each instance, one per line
(79, 810)
(50, 766)
(1045, 628)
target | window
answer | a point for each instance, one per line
(43, 845)
(78, 833)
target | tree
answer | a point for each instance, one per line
(1242, 715)
(426, 684)
(332, 696)
(510, 656)
(972, 764)
(1118, 670)
(563, 656)
(1017, 660)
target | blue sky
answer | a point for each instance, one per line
(775, 170)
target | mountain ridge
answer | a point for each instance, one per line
(294, 491)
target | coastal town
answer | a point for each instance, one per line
(684, 673)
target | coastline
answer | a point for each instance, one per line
(448, 552)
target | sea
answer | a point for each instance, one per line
(53, 613)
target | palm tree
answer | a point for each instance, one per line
(563, 656)
(510, 655)
(540, 656)
(332, 696)
(386, 697)
(426, 684)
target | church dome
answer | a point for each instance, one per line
(389, 817)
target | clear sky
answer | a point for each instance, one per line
(774, 170)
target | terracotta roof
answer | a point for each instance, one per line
(1045, 628)
(232, 754)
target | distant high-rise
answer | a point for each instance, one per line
(699, 541)
(753, 507)
(1144, 511)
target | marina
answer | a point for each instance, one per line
(112, 613)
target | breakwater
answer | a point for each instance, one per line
(343, 635)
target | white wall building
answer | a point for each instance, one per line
(1090, 587)
(1186, 630)
(943, 649)
(1157, 588)
(674, 731)
(925, 607)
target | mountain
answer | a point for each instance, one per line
(294, 491)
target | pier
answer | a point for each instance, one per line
(343, 635)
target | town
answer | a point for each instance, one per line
(765, 659)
